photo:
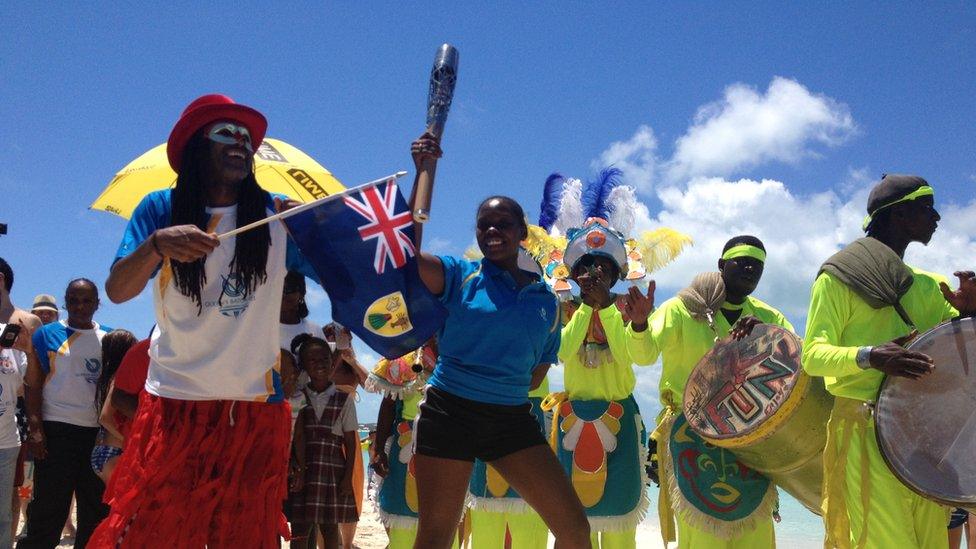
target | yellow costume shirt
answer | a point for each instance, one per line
(683, 341)
(609, 381)
(839, 322)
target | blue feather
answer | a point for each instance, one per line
(597, 192)
(552, 194)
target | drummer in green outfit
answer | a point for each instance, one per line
(854, 338)
(677, 333)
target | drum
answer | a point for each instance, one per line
(752, 397)
(927, 427)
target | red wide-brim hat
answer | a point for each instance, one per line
(212, 108)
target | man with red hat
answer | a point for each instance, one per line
(206, 458)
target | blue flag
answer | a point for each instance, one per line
(361, 246)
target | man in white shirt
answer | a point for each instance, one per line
(63, 367)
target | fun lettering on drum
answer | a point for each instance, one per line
(753, 384)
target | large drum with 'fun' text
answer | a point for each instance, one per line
(752, 397)
(927, 427)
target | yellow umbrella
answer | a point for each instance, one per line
(278, 166)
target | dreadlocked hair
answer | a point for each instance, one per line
(189, 208)
(114, 346)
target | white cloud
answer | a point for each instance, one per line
(315, 295)
(437, 245)
(953, 248)
(636, 158)
(746, 129)
(799, 231)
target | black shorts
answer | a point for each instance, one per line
(958, 518)
(452, 427)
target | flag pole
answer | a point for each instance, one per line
(307, 206)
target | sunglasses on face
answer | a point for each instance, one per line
(229, 133)
(483, 226)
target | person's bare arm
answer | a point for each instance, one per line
(298, 451)
(130, 274)
(424, 150)
(384, 428)
(538, 375)
(124, 402)
(350, 440)
(107, 417)
(34, 400)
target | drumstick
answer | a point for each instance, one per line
(443, 76)
(306, 206)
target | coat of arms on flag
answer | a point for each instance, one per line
(360, 243)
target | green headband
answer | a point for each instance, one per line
(924, 190)
(744, 250)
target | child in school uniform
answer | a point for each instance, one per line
(325, 433)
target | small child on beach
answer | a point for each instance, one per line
(108, 444)
(325, 433)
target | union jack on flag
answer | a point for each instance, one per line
(384, 224)
(360, 244)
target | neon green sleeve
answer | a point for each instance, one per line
(782, 322)
(574, 332)
(823, 356)
(616, 331)
(949, 312)
(645, 347)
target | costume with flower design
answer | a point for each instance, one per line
(597, 430)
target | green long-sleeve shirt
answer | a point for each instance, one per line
(614, 381)
(839, 322)
(683, 341)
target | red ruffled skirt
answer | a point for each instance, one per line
(200, 473)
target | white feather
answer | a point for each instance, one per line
(623, 206)
(570, 207)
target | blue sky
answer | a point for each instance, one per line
(733, 117)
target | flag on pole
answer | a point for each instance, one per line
(360, 243)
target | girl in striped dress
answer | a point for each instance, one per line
(325, 433)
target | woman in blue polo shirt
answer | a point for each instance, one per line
(501, 335)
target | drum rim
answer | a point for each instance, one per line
(885, 448)
(749, 436)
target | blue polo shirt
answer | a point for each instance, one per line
(495, 334)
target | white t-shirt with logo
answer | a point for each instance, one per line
(72, 360)
(228, 350)
(13, 366)
(288, 332)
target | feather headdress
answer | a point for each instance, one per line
(568, 204)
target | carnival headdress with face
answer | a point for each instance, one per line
(597, 218)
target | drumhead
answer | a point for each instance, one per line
(926, 428)
(738, 385)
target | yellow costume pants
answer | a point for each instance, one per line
(760, 537)
(527, 529)
(865, 505)
(614, 540)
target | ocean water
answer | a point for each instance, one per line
(798, 529)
